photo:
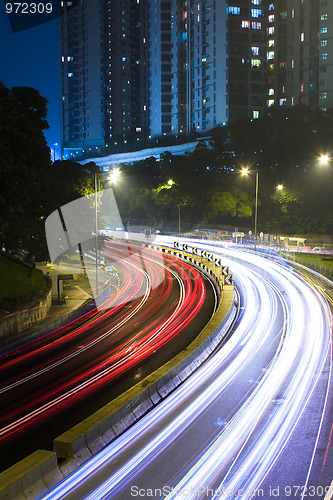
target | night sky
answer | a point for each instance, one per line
(31, 58)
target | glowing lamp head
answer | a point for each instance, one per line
(323, 160)
(114, 175)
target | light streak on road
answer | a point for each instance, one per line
(117, 344)
(251, 440)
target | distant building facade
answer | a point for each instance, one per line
(187, 66)
(247, 47)
(82, 77)
(127, 100)
(133, 68)
(301, 53)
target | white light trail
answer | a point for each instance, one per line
(249, 445)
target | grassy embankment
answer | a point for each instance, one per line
(19, 286)
(316, 262)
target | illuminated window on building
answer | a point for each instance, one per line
(271, 43)
(283, 101)
(270, 54)
(271, 6)
(323, 17)
(271, 18)
(323, 95)
(271, 30)
(271, 92)
(233, 10)
(245, 24)
(255, 51)
(323, 43)
(283, 64)
(302, 37)
(256, 2)
(255, 63)
(255, 25)
(323, 30)
(270, 102)
(324, 56)
(255, 114)
(70, 75)
(256, 12)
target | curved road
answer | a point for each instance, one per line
(223, 431)
(56, 373)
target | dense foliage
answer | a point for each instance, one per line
(31, 187)
(204, 188)
(208, 189)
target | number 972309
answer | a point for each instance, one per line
(28, 8)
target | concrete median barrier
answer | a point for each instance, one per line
(31, 477)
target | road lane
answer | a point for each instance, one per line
(105, 348)
(226, 426)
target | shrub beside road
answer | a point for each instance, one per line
(19, 285)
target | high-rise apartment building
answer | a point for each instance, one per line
(82, 76)
(133, 68)
(127, 100)
(160, 72)
(104, 72)
(187, 66)
(247, 48)
(300, 53)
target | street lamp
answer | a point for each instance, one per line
(323, 160)
(114, 175)
(246, 171)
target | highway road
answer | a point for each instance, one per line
(156, 299)
(226, 430)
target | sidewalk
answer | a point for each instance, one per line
(77, 294)
(76, 298)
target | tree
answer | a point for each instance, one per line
(68, 180)
(24, 163)
(233, 203)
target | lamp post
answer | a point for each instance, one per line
(171, 183)
(96, 231)
(279, 187)
(246, 171)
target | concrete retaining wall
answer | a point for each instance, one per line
(17, 322)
